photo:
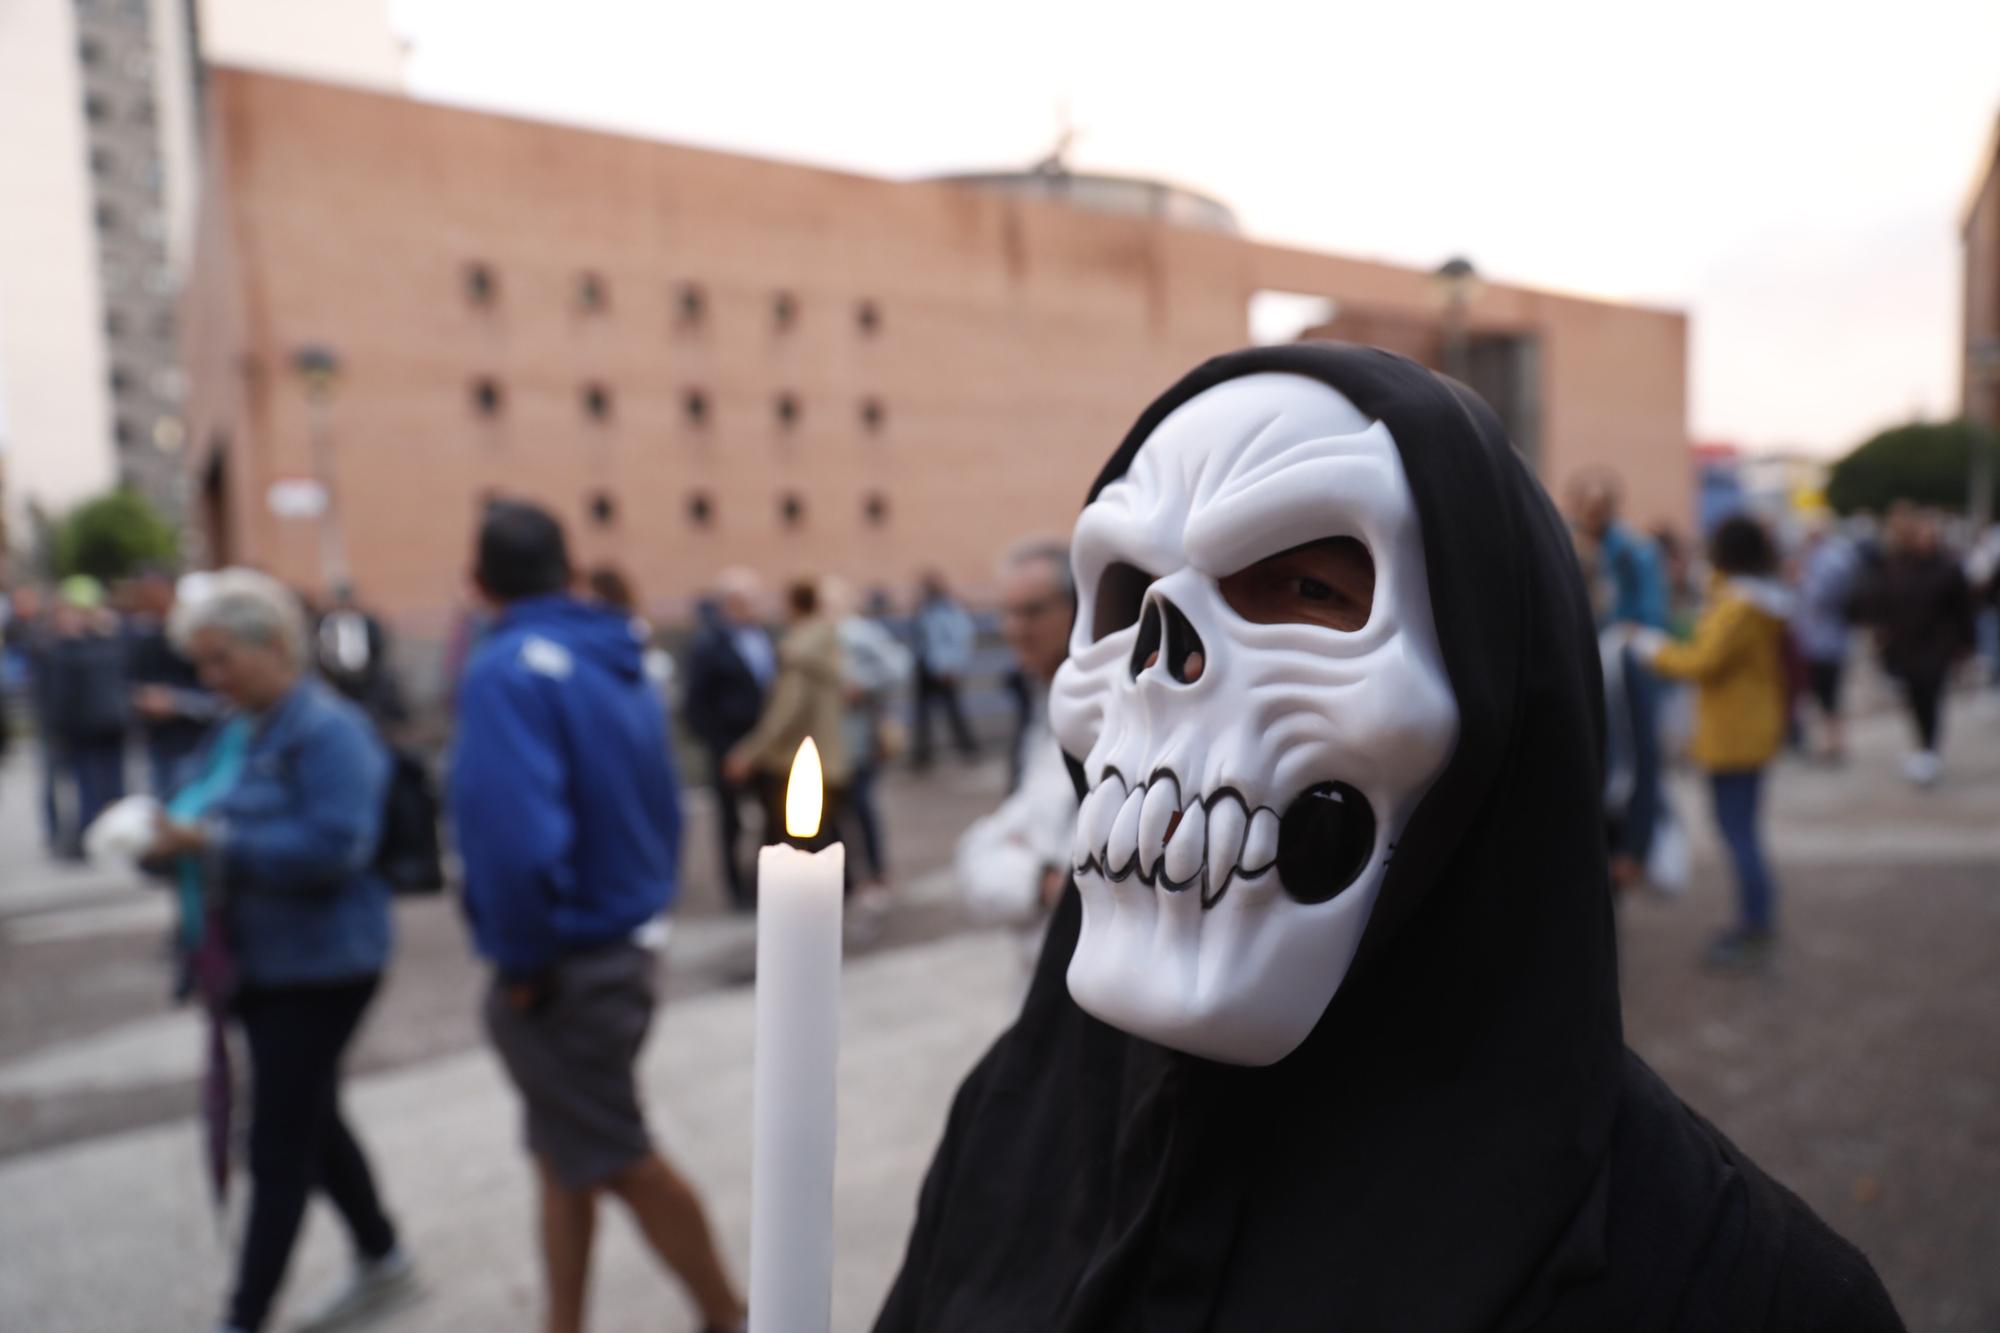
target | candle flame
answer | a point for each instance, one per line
(804, 792)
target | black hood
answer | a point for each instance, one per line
(1463, 1142)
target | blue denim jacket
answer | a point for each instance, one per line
(293, 844)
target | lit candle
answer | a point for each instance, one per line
(798, 1036)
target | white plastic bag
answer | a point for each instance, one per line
(1669, 862)
(123, 832)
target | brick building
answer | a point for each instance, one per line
(701, 359)
(1980, 347)
(1980, 230)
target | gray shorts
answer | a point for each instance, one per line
(572, 1060)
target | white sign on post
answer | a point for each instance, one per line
(296, 497)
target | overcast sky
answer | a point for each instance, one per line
(1792, 179)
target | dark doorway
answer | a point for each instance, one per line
(217, 524)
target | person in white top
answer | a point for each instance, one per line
(1012, 864)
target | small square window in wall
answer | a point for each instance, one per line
(694, 402)
(701, 509)
(874, 415)
(690, 305)
(593, 296)
(107, 217)
(597, 401)
(125, 433)
(784, 311)
(876, 509)
(868, 318)
(487, 396)
(788, 410)
(603, 509)
(791, 509)
(482, 286)
(96, 109)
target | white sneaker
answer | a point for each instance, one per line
(374, 1287)
(1923, 768)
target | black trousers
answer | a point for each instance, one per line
(97, 767)
(1925, 694)
(939, 692)
(729, 798)
(298, 1140)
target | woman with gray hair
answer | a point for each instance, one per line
(274, 840)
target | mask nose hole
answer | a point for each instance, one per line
(1163, 629)
(1146, 652)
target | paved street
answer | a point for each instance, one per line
(1861, 1070)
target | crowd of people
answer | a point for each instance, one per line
(271, 732)
(1764, 650)
(100, 678)
(266, 726)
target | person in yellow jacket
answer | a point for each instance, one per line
(1736, 662)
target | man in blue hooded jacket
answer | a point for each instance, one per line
(568, 815)
(1638, 587)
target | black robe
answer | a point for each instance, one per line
(1463, 1143)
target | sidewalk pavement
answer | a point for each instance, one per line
(116, 1235)
(1860, 1071)
(90, 1046)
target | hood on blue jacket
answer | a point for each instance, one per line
(606, 636)
(563, 788)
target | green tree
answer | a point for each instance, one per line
(113, 536)
(1929, 462)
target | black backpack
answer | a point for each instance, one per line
(411, 854)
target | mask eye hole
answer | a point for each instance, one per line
(1121, 592)
(1330, 582)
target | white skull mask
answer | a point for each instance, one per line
(1206, 735)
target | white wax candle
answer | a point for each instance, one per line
(798, 1035)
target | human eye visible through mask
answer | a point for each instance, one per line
(1330, 583)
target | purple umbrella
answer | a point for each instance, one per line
(213, 970)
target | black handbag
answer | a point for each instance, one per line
(411, 854)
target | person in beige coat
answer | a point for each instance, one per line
(805, 700)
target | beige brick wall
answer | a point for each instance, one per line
(1018, 339)
(1980, 385)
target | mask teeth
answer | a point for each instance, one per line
(1260, 844)
(1105, 802)
(1173, 840)
(1156, 814)
(1180, 864)
(1121, 850)
(1227, 822)
(1082, 852)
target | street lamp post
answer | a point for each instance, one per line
(1985, 373)
(1457, 282)
(318, 369)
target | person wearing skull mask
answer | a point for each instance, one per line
(1348, 1054)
